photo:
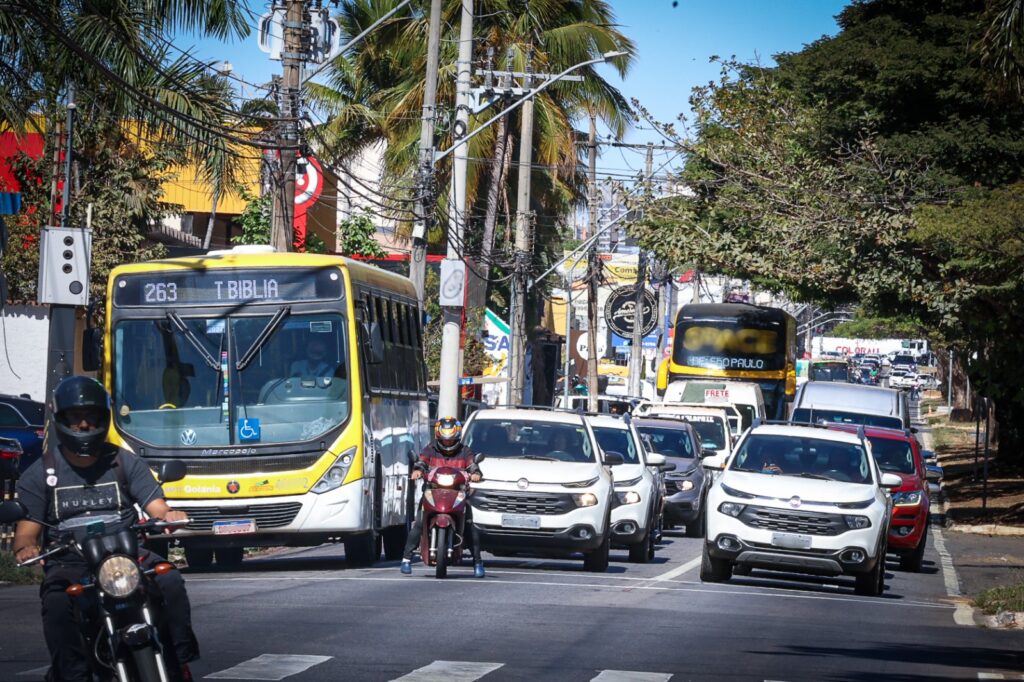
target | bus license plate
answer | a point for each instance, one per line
(791, 541)
(240, 527)
(520, 521)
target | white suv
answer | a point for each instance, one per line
(801, 499)
(547, 488)
(639, 486)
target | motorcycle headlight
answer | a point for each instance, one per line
(119, 576)
(445, 480)
(909, 498)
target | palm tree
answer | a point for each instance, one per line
(388, 65)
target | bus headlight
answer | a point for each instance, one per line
(335, 475)
(119, 576)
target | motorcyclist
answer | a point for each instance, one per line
(446, 450)
(86, 476)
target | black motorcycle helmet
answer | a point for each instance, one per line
(81, 393)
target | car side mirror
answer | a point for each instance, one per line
(933, 472)
(614, 458)
(11, 511)
(713, 462)
(479, 457)
(655, 460)
(706, 452)
(891, 481)
(172, 470)
(667, 467)
(375, 343)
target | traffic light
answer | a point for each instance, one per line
(64, 254)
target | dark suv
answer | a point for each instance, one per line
(686, 486)
(22, 419)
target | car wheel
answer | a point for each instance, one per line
(597, 560)
(696, 529)
(912, 562)
(640, 553)
(714, 570)
(872, 583)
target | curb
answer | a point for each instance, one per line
(1004, 620)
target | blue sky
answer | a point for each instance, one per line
(673, 44)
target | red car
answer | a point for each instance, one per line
(898, 452)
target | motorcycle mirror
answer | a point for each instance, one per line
(172, 470)
(480, 457)
(11, 511)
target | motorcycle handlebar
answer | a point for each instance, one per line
(39, 557)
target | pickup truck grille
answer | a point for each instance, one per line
(785, 521)
(515, 502)
(274, 515)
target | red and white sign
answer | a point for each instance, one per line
(716, 395)
(308, 186)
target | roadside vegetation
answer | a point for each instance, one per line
(1005, 598)
(10, 573)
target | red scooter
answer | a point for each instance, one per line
(445, 494)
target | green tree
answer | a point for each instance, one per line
(355, 237)
(254, 219)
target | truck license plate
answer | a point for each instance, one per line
(239, 527)
(520, 521)
(791, 541)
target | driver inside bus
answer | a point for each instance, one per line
(316, 363)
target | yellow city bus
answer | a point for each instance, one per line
(735, 342)
(292, 385)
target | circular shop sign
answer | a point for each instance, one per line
(619, 312)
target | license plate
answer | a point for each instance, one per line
(240, 527)
(791, 540)
(520, 521)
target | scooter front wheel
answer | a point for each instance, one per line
(441, 567)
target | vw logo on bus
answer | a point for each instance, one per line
(188, 437)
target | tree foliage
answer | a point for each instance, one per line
(356, 237)
(876, 167)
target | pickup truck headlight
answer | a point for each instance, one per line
(909, 498)
(119, 576)
(585, 500)
(731, 508)
(628, 497)
(334, 476)
(857, 522)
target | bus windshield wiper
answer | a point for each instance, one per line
(184, 330)
(263, 337)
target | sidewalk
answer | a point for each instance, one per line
(985, 554)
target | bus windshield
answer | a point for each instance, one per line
(202, 381)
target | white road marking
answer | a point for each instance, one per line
(677, 571)
(35, 671)
(450, 671)
(462, 584)
(269, 667)
(630, 676)
(964, 614)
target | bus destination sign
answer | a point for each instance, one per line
(731, 348)
(227, 287)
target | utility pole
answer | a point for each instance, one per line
(636, 350)
(524, 246)
(448, 393)
(283, 226)
(593, 270)
(424, 184)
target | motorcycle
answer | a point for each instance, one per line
(445, 493)
(122, 628)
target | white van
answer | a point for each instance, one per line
(745, 395)
(831, 402)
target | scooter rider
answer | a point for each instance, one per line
(86, 476)
(445, 450)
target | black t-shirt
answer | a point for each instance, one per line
(88, 493)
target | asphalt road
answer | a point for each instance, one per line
(306, 616)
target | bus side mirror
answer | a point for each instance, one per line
(375, 343)
(92, 348)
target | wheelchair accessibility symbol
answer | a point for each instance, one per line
(248, 429)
